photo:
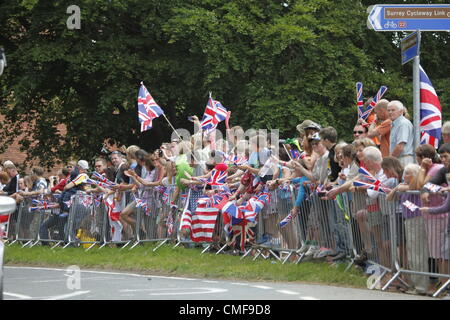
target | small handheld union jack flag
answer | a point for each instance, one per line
(103, 179)
(365, 114)
(375, 186)
(217, 177)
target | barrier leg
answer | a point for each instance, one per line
(390, 281)
(206, 249)
(222, 248)
(162, 243)
(437, 293)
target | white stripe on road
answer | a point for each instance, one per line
(104, 272)
(161, 293)
(16, 295)
(309, 298)
(287, 292)
(262, 287)
(69, 295)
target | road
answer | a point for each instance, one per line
(59, 284)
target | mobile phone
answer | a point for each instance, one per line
(321, 194)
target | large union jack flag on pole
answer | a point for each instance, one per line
(148, 109)
(214, 113)
(430, 112)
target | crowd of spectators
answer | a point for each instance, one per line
(316, 156)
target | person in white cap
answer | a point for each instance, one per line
(78, 176)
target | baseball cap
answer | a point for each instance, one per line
(83, 164)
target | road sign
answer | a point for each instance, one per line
(410, 47)
(404, 17)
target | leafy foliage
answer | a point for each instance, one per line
(272, 63)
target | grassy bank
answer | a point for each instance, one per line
(185, 262)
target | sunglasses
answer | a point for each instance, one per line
(359, 132)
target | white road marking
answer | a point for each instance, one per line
(240, 284)
(69, 295)
(287, 292)
(84, 278)
(105, 272)
(16, 295)
(210, 281)
(262, 287)
(153, 292)
(309, 298)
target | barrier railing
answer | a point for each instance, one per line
(409, 246)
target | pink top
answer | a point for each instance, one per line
(435, 199)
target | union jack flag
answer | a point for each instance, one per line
(148, 109)
(236, 160)
(375, 186)
(364, 114)
(217, 177)
(86, 201)
(170, 224)
(430, 112)
(98, 183)
(102, 178)
(359, 99)
(42, 205)
(365, 174)
(214, 113)
(432, 187)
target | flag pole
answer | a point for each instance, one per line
(181, 139)
(172, 126)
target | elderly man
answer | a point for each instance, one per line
(401, 136)
(446, 132)
(383, 129)
(370, 219)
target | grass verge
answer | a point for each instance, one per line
(185, 262)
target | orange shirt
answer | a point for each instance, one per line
(384, 129)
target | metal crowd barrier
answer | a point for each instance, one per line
(410, 247)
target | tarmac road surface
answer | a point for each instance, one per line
(59, 284)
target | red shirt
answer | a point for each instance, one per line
(60, 186)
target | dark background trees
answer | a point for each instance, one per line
(272, 63)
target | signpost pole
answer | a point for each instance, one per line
(416, 97)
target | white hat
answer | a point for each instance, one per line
(83, 164)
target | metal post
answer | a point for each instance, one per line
(416, 97)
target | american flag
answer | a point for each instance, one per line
(147, 108)
(430, 112)
(214, 113)
(202, 222)
(217, 177)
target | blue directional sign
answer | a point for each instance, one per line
(409, 17)
(410, 47)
